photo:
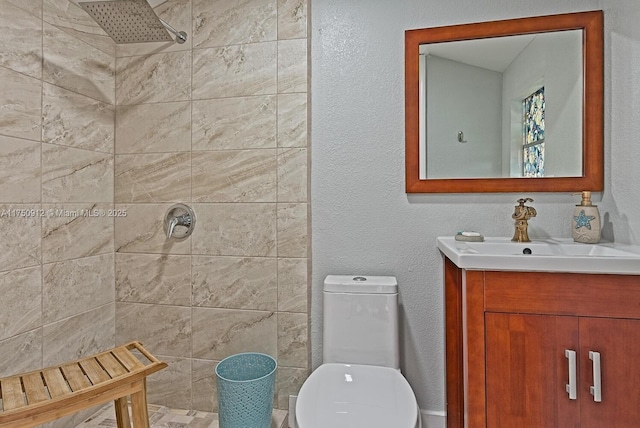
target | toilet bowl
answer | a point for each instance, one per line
(359, 384)
(353, 396)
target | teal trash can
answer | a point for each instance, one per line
(245, 390)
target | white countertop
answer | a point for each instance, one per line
(547, 255)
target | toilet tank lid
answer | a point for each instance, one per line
(361, 284)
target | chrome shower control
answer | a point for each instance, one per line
(179, 222)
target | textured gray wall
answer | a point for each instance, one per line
(362, 220)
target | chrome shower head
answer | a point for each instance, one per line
(131, 21)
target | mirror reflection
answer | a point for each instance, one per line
(502, 107)
(556, 75)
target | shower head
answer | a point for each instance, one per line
(131, 21)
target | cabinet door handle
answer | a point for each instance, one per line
(571, 387)
(596, 389)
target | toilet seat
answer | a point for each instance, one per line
(352, 395)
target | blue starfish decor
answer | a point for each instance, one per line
(583, 220)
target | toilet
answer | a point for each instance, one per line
(359, 383)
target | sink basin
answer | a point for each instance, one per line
(548, 255)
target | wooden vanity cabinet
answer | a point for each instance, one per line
(507, 334)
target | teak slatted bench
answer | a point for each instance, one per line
(40, 396)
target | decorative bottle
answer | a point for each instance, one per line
(585, 222)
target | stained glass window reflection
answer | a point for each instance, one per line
(533, 141)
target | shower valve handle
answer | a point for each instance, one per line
(179, 215)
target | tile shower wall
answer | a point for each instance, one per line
(218, 123)
(57, 276)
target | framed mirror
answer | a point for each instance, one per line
(506, 106)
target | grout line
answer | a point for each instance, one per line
(42, 308)
(191, 298)
(105, 416)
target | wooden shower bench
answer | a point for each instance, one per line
(33, 398)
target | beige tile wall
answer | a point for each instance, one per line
(219, 123)
(57, 276)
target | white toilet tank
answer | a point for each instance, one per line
(361, 320)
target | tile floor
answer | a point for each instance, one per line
(164, 417)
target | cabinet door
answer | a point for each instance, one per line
(526, 371)
(618, 343)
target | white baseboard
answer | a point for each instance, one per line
(431, 419)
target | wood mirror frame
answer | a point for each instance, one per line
(592, 116)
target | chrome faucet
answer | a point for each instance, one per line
(521, 215)
(179, 215)
(183, 220)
